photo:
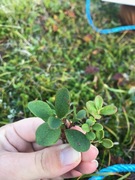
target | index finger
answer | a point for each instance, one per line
(26, 128)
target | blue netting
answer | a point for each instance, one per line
(118, 168)
(105, 31)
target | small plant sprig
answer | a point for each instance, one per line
(59, 120)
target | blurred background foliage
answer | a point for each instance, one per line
(48, 44)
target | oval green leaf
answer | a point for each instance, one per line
(81, 114)
(46, 136)
(91, 121)
(62, 101)
(108, 110)
(85, 127)
(90, 136)
(107, 143)
(100, 134)
(97, 127)
(98, 102)
(90, 105)
(77, 140)
(54, 123)
(40, 109)
(51, 105)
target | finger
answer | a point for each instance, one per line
(87, 167)
(37, 147)
(17, 136)
(91, 154)
(78, 129)
(57, 178)
(26, 128)
(48, 163)
(72, 174)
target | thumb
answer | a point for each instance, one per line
(48, 163)
(57, 160)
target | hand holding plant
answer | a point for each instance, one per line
(59, 119)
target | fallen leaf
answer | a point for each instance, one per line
(55, 28)
(91, 69)
(87, 38)
(119, 78)
(70, 13)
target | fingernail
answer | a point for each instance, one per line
(69, 156)
(95, 162)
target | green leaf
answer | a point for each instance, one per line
(96, 116)
(107, 143)
(100, 134)
(45, 136)
(54, 123)
(81, 114)
(50, 104)
(77, 140)
(62, 102)
(40, 109)
(108, 110)
(85, 127)
(97, 127)
(90, 136)
(91, 121)
(98, 102)
(92, 109)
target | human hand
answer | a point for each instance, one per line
(22, 159)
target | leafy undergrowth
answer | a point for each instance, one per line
(46, 45)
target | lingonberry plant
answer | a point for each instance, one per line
(59, 119)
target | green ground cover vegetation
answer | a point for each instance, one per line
(45, 45)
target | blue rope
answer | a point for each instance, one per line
(105, 31)
(113, 169)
